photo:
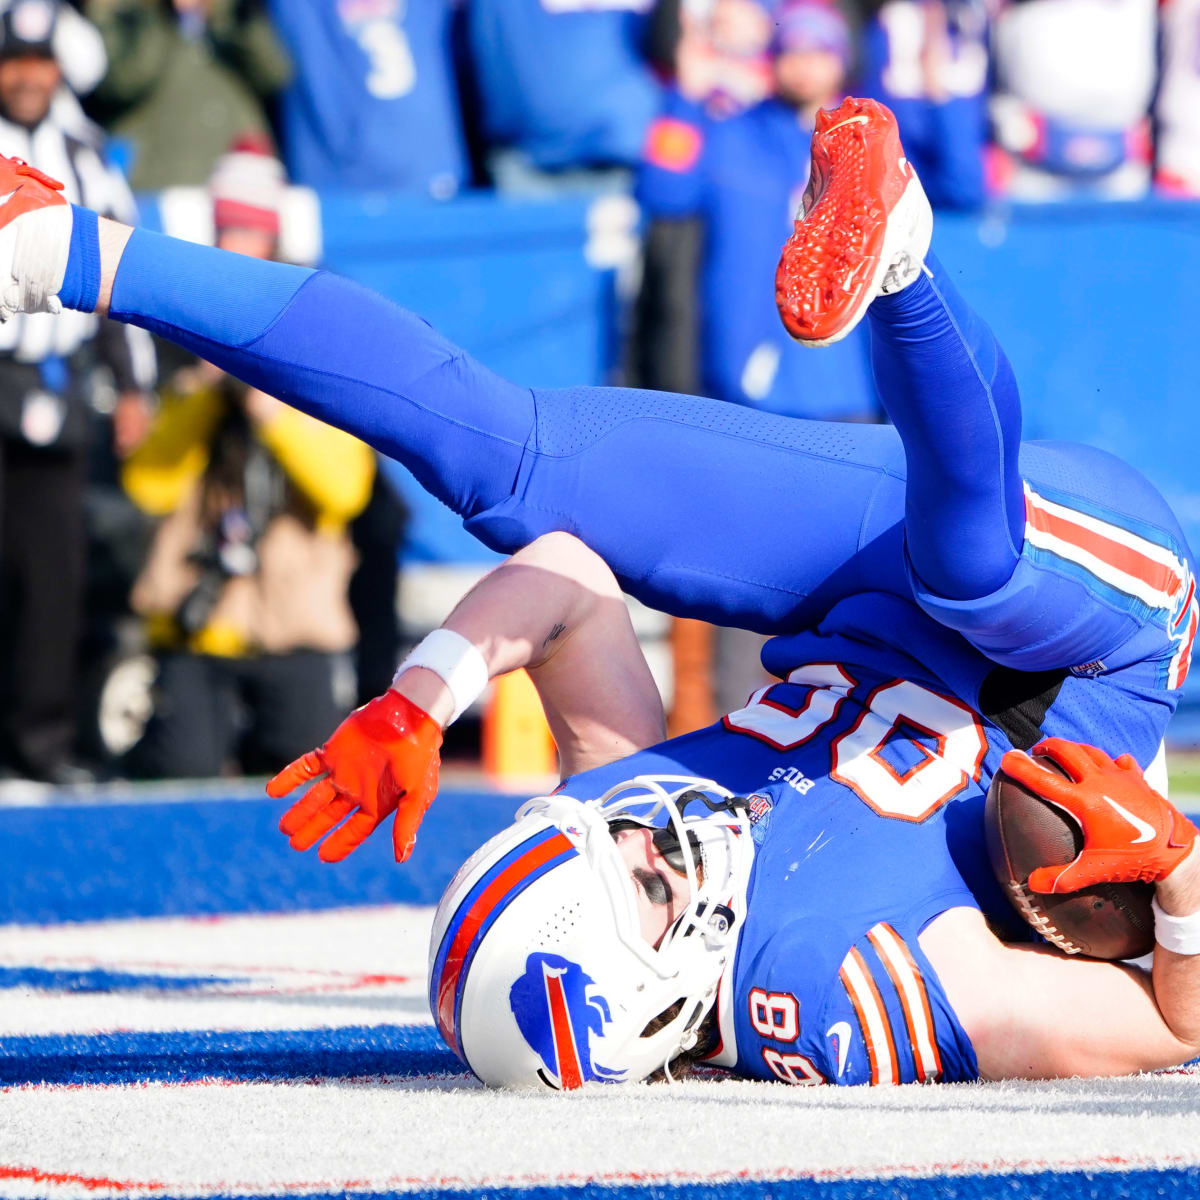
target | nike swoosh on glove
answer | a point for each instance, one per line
(1131, 834)
(382, 759)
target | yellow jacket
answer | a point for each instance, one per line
(296, 597)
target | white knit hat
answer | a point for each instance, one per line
(247, 186)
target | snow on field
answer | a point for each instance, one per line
(291, 1054)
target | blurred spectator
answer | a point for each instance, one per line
(47, 377)
(719, 193)
(722, 60)
(1177, 110)
(374, 101)
(719, 197)
(186, 79)
(79, 52)
(563, 86)
(245, 587)
(1074, 84)
(927, 60)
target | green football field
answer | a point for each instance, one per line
(1185, 781)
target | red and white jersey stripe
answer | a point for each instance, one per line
(893, 1009)
(1184, 628)
(1117, 557)
(909, 983)
(872, 1017)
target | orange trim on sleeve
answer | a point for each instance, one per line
(909, 983)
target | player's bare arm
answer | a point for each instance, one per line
(114, 237)
(553, 608)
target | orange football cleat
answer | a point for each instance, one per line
(863, 229)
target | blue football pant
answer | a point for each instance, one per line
(701, 508)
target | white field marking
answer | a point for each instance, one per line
(357, 966)
(208, 1139)
(203, 1139)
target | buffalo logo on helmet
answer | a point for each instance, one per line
(557, 1017)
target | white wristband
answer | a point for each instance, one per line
(456, 661)
(1180, 935)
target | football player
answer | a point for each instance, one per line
(941, 595)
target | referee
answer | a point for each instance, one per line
(47, 366)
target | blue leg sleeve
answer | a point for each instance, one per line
(340, 353)
(1096, 578)
(701, 508)
(951, 393)
(713, 510)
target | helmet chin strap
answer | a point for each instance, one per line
(727, 803)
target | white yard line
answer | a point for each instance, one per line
(206, 1139)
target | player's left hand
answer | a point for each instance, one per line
(1130, 832)
(382, 759)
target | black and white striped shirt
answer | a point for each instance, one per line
(68, 148)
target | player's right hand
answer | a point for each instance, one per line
(1130, 832)
(382, 758)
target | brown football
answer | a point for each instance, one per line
(1110, 920)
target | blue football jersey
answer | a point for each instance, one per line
(866, 794)
(867, 767)
(891, 725)
(838, 990)
(375, 102)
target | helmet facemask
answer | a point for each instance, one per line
(633, 1006)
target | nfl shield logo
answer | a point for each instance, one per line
(758, 806)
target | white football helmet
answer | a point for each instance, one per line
(538, 971)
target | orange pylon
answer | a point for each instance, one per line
(517, 743)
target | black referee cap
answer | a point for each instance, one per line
(27, 29)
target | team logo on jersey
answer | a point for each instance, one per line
(757, 806)
(557, 1017)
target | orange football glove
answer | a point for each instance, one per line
(1130, 833)
(382, 758)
